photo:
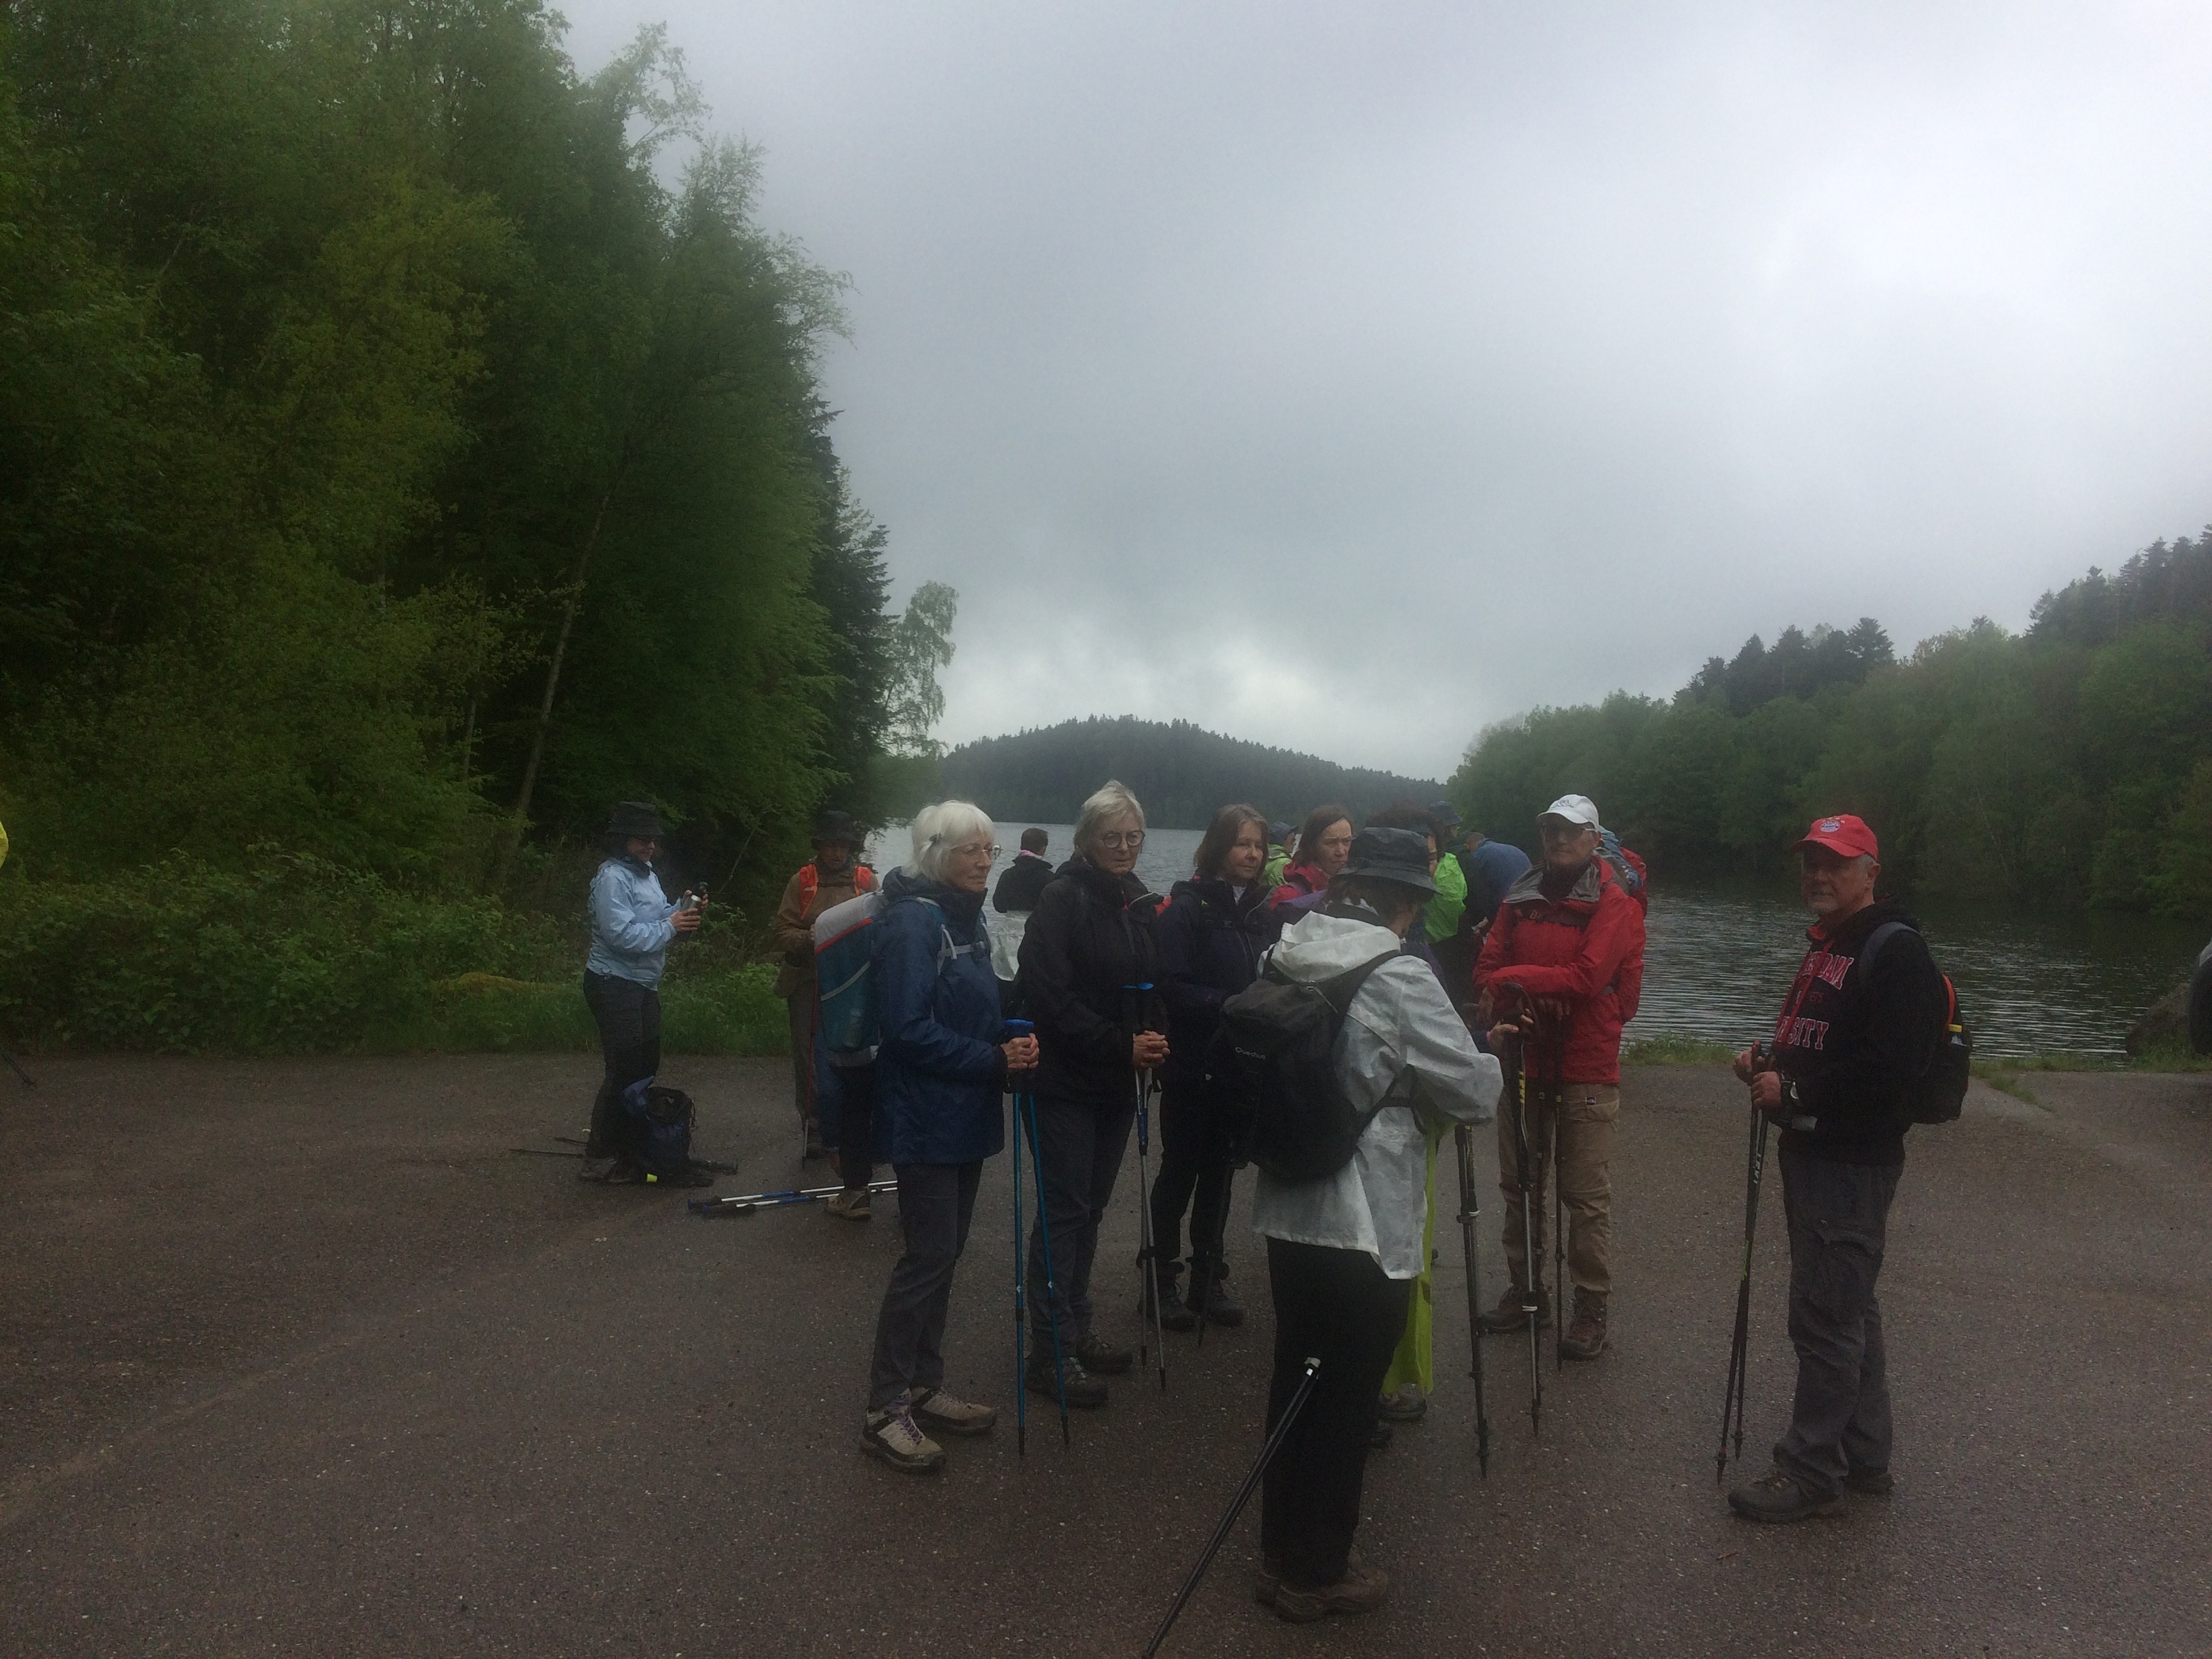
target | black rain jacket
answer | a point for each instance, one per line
(1210, 945)
(1089, 940)
(1020, 883)
(1854, 1042)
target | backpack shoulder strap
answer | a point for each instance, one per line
(1342, 991)
(810, 884)
(1863, 963)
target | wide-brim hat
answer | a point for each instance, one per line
(1400, 857)
(634, 820)
(1445, 814)
(839, 828)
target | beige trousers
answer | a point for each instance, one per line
(1589, 1121)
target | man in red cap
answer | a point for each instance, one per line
(1862, 1021)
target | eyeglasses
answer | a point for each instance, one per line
(1558, 830)
(977, 850)
(1115, 840)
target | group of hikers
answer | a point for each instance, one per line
(1454, 973)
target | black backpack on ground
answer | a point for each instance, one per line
(1939, 1093)
(660, 1121)
(1272, 1067)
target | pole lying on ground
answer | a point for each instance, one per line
(1470, 1214)
(16, 1066)
(1237, 1504)
(1732, 1397)
(746, 1203)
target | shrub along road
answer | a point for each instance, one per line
(300, 1358)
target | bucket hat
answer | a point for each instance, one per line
(636, 820)
(837, 827)
(1400, 857)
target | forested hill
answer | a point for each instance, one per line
(1182, 772)
(2068, 765)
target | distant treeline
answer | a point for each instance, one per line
(1182, 772)
(402, 458)
(2069, 765)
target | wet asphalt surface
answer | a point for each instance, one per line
(297, 1357)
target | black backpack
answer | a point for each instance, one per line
(659, 1122)
(1272, 1067)
(1938, 1092)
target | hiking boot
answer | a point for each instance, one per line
(1173, 1316)
(851, 1204)
(1404, 1406)
(1099, 1355)
(1084, 1391)
(1360, 1590)
(1266, 1582)
(1221, 1307)
(1379, 1436)
(891, 1436)
(1585, 1337)
(1776, 1496)
(933, 1408)
(1511, 1313)
(1872, 1483)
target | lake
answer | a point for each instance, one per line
(1719, 957)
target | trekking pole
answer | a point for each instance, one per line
(1237, 1504)
(1148, 1276)
(1470, 1213)
(1531, 1303)
(1555, 1063)
(746, 1203)
(1022, 1027)
(16, 1066)
(1051, 1286)
(1739, 1342)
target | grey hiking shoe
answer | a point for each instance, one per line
(892, 1437)
(1220, 1307)
(1084, 1391)
(1585, 1337)
(1404, 1406)
(933, 1408)
(1101, 1356)
(1361, 1590)
(1776, 1496)
(1174, 1316)
(1511, 1312)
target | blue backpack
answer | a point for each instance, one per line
(844, 970)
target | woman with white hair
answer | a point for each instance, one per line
(1088, 963)
(941, 1069)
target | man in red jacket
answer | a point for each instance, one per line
(1564, 960)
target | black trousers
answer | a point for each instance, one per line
(1078, 1149)
(628, 1017)
(936, 1202)
(1338, 1307)
(856, 1124)
(1195, 1171)
(1839, 1222)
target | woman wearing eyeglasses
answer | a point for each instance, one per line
(941, 1071)
(1088, 964)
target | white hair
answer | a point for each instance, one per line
(938, 829)
(1112, 800)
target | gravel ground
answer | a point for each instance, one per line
(299, 1358)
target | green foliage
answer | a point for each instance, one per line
(393, 463)
(2069, 766)
(1181, 774)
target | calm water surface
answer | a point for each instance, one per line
(1719, 957)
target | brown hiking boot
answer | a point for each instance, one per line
(1511, 1312)
(1585, 1337)
(1360, 1590)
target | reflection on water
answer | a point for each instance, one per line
(1719, 958)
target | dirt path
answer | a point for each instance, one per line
(298, 1357)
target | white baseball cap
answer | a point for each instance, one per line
(1575, 809)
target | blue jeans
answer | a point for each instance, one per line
(1838, 1217)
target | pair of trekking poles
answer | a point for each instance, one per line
(1762, 1059)
(1545, 1040)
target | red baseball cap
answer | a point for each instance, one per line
(1844, 833)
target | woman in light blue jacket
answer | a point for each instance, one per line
(633, 924)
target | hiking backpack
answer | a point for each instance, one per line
(1272, 1067)
(1627, 869)
(660, 1122)
(810, 882)
(844, 970)
(1940, 1091)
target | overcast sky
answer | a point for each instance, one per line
(1350, 377)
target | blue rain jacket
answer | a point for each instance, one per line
(630, 929)
(939, 1072)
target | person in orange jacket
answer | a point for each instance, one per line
(1567, 952)
(833, 875)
